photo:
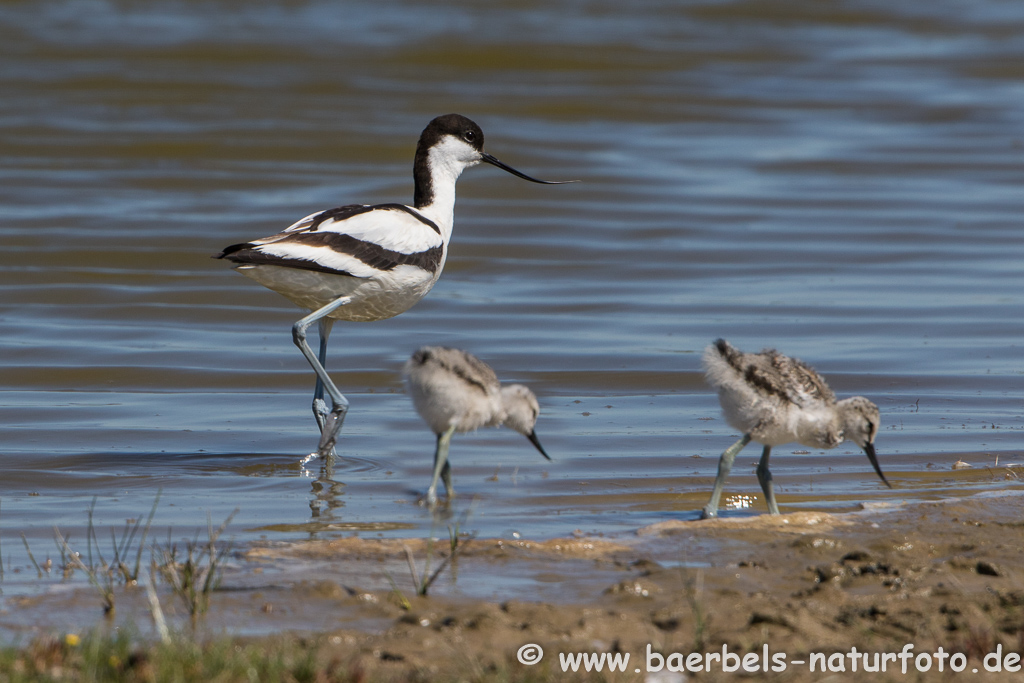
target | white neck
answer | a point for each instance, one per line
(445, 163)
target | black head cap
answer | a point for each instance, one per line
(455, 125)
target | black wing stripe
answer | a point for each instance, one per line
(345, 212)
(370, 253)
(245, 254)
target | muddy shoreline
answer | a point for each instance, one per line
(932, 575)
(810, 584)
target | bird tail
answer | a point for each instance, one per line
(234, 248)
(722, 361)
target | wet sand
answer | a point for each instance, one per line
(941, 574)
(944, 574)
(933, 575)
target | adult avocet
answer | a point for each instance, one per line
(368, 262)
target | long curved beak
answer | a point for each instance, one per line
(484, 156)
(870, 450)
(532, 436)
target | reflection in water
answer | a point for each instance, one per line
(326, 495)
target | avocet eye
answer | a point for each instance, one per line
(469, 136)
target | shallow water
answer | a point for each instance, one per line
(840, 181)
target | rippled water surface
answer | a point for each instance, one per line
(842, 181)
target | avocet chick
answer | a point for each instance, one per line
(774, 400)
(454, 391)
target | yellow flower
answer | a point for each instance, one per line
(72, 639)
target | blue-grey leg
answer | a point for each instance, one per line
(446, 477)
(724, 467)
(320, 411)
(440, 464)
(764, 477)
(332, 422)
